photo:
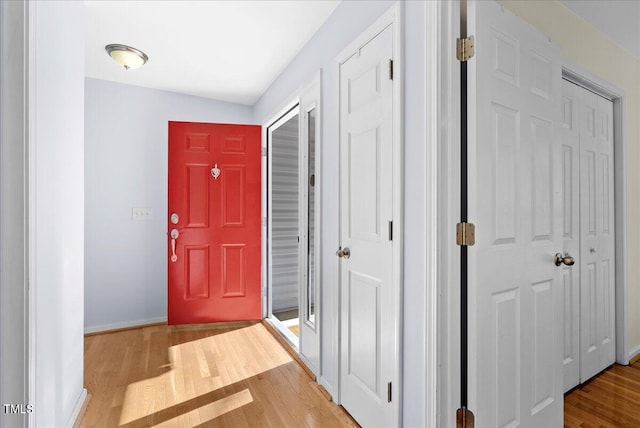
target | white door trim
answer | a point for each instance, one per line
(16, 383)
(437, 113)
(292, 109)
(310, 99)
(593, 83)
(392, 17)
(448, 212)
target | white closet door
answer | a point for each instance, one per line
(588, 227)
(571, 232)
(597, 235)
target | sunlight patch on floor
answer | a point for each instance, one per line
(209, 412)
(202, 366)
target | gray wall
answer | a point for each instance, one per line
(349, 20)
(56, 210)
(126, 167)
(13, 210)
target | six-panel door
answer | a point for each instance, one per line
(213, 223)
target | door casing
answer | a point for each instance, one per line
(298, 100)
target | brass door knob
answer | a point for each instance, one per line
(566, 259)
(345, 254)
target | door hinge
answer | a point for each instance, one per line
(391, 69)
(390, 230)
(465, 48)
(464, 418)
(389, 392)
(465, 234)
(264, 151)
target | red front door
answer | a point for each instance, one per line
(214, 223)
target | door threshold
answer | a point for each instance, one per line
(288, 346)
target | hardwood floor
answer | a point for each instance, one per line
(611, 399)
(238, 375)
(232, 375)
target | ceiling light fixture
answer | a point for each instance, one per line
(127, 56)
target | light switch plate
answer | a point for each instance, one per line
(140, 213)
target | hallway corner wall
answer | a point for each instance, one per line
(126, 155)
(56, 212)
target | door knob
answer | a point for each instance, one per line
(566, 259)
(345, 254)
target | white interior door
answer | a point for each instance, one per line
(597, 235)
(515, 288)
(309, 209)
(589, 298)
(367, 324)
(571, 234)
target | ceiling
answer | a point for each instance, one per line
(233, 50)
(619, 19)
(226, 50)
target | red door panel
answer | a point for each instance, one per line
(215, 274)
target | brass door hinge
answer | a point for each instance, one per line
(391, 69)
(465, 48)
(465, 234)
(464, 418)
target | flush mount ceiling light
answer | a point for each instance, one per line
(126, 56)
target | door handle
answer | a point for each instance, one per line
(566, 259)
(345, 254)
(174, 237)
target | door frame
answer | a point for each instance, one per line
(291, 110)
(393, 17)
(292, 101)
(448, 206)
(582, 77)
(286, 107)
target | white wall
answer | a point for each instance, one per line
(13, 211)
(56, 210)
(126, 166)
(349, 20)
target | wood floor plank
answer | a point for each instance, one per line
(216, 375)
(610, 399)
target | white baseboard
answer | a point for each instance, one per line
(77, 408)
(633, 353)
(326, 385)
(127, 324)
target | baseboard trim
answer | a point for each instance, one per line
(325, 393)
(327, 387)
(112, 328)
(634, 355)
(78, 409)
